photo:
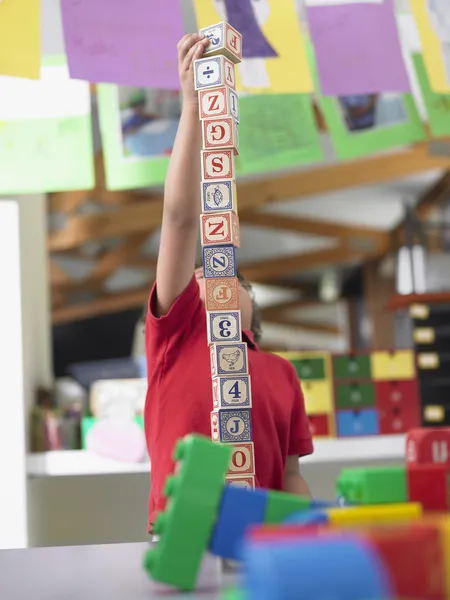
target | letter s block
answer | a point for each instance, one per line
(218, 164)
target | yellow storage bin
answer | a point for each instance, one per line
(318, 396)
(391, 366)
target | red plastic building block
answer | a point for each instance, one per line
(424, 445)
(413, 559)
(276, 532)
(429, 485)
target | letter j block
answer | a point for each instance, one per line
(230, 426)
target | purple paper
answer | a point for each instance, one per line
(126, 42)
(357, 49)
(241, 15)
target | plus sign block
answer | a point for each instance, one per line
(224, 326)
(218, 102)
(223, 40)
(219, 196)
(222, 294)
(232, 392)
(220, 134)
(220, 228)
(231, 426)
(214, 72)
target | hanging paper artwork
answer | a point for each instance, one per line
(20, 38)
(437, 105)
(433, 21)
(45, 132)
(274, 54)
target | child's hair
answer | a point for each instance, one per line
(256, 316)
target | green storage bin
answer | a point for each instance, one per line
(373, 485)
(355, 395)
(309, 368)
(352, 367)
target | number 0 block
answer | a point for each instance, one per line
(217, 164)
(230, 426)
(218, 102)
(232, 392)
(220, 228)
(214, 72)
(242, 460)
(223, 40)
(224, 326)
(220, 134)
(229, 359)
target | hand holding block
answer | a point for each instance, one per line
(228, 426)
(247, 482)
(218, 102)
(220, 134)
(219, 196)
(214, 72)
(224, 326)
(217, 164)
(242, 460)
(220, 228)
(232, 392)
(222, 294)
(229, 359)
(223, 40)
(219, 261)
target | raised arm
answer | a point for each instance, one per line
(182, 206)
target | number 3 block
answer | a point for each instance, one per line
(220, 134)
(242, 460)
(224, 326)
(229, 426)
(232, 392)
(220, 228)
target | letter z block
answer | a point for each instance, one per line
(220, 134)
(223, 40)
(219, 261)
(239, 510)
(194, 495)
(218, 102)
(217, 165)
(213, 72)
(220, 228)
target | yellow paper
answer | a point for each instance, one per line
(286, 73)
(434, 30)
(20, 38)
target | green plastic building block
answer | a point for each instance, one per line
(373, 485)
(194, 494)
(280, 506)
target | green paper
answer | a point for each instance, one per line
(46, 155)
(123, 170)
(396, 123)
(276, 132)
(437, 105)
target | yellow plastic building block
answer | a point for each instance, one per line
(358, 516)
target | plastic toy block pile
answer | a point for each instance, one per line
(387, 537)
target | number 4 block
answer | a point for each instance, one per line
(232, 392)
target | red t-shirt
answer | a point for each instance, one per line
(179, 396)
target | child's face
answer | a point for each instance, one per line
(245, 301)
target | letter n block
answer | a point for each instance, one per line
(220, 228)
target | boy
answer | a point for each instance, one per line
(179, 397)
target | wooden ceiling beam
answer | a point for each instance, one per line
(281, 307)
(309, 326)
(309, 226)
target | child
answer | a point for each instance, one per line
(179, 397)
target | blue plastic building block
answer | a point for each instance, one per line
(239, 509)
(308, 517)
(337, 567)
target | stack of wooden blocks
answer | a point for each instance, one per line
(215, 82)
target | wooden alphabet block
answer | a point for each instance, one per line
(242, 460)
(218, 102)
(230, 426)
(220, 228)
(222, 294)
(232, 392)
(247, 482)
(220, 134)
(213, 72)
(223, 40)
(224, 326)
(217, 165)
(219, 261)
(229, 359)
(219, 196)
